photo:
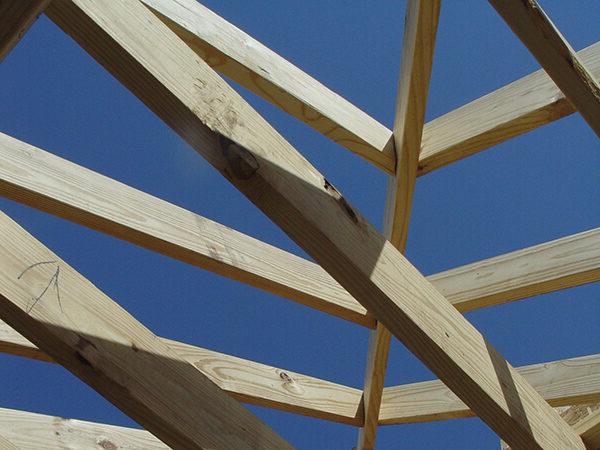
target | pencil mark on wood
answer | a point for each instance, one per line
(53, 281)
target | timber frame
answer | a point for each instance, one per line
(166, 52)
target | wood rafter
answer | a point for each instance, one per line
(514, 109)
(588, 427)
(31, 431)
(246, 381)
(413, 86)
(15, 19)
(77, 325)
(195, 102)
(531, 24)
(233, 53)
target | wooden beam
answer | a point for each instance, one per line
(514, 109)
(559, 264)
(31, 431)
(186, 93)
(39, 179)
(535, 29)
(420, 28)
(16, 17)
(233, 53)
(588, 427)
(246, 381)
(564, 382)
(77, 325)
(6, 444)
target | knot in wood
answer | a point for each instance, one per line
(241, 162)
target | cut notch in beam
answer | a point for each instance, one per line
(16, 17)
(420, 28)
(80, 327)
(235, 54)
(246, 381)
(530, 23)
(222, 127)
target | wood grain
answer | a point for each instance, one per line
(39, 179)
(530, 23)
(230, 51)
(246, 381)
(89, 334)
(514, 109)
(31, 431)
(16, 17)
(420, 28)
(564, 382)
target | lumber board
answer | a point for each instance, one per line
(39, 179)
(191, 98)
(534, 28)
(560, 383)
(246, 381)
(32, 431)
(16, 17)
(420, 28)
(71, 320)
(6, 444)
(235, 54)
(517, 108)
(588, 427)
(562, 263)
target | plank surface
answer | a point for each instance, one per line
(39, 179)
(230, 51)
(191, 98)
(244, 380)
(5, 444)
(514, 109)
(564, 382)
(77, 325)
(31, 431)
(559, 264)
(16, 17)
(535, 29)
(420, 28)
(588, 427)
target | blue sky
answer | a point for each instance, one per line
(537, 187)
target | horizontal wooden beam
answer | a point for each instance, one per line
(530, 23)
(559, 264)
(514, 109)
(233, 53)
(564, 382)
(246, 381)
(186, 93)
(39, 179)
(31, 431)
(16, 17)
(89, 334)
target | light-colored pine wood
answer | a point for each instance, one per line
(230, 51)
(564, 382)
(37, 178)
(16, 17)
(244, 380)
(547, 267)
(186, 93)
(5, 444)
(420, 28)
(588, 427)
(530, 23)
(77, 325)
(514, 109)
(31, 431)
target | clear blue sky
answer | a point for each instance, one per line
(535, 188)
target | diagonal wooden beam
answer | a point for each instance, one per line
(39, 179)
(588, 427)
(230, 51)
(246, 381)
(6, 444)
(531, 24)
(420, 28)
(31, 431)
(72, 321)
(564, 382)
(514, 109)
(16, 17)
(186, 93)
